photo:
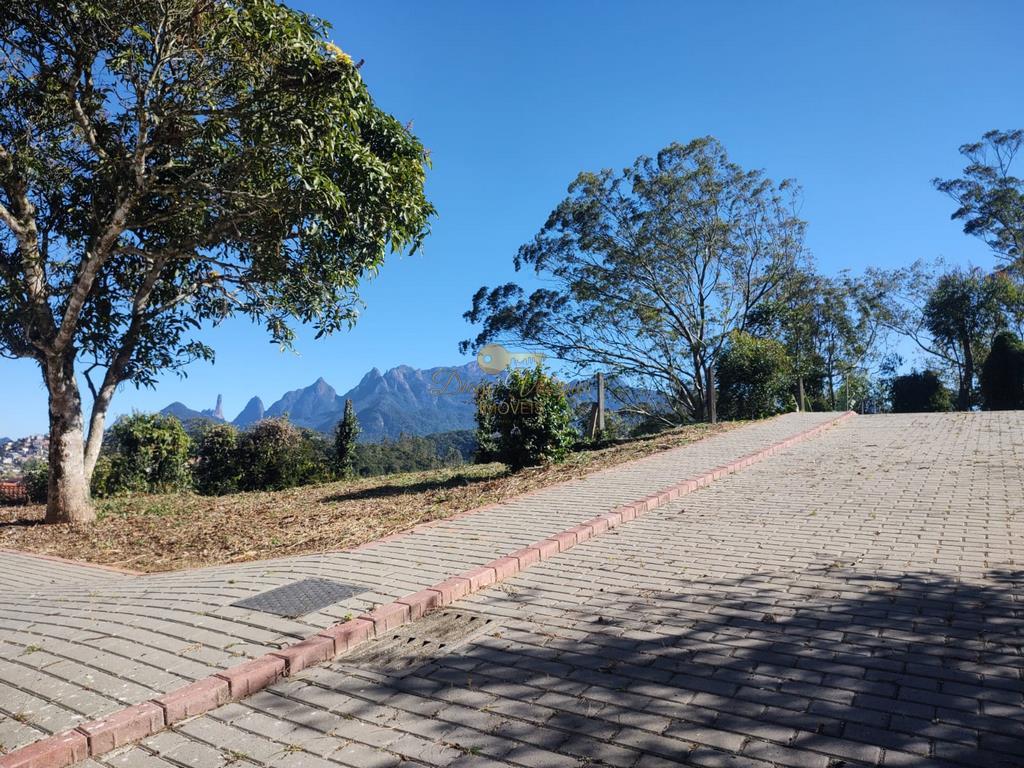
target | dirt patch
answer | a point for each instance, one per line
(172, 531)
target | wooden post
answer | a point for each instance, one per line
(712, 396)
(600, 403)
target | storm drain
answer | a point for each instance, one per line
(415, 644)
(301, 597)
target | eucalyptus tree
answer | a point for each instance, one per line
(165, 164)
(952, 316)
(646, 272)
(989, 197)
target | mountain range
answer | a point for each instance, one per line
(402, 400)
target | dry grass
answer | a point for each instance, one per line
(168, 532)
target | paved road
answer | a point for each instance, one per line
(75, 651)
(854, 601)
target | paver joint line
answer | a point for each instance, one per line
(139, 721)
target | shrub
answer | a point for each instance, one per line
(215, 470)
(524, 419)
(345, 435)
(1002, 375)
(102, 477)
(920, 392)
(151, 454)
(754, 378)
(36, 478)
(274, 454)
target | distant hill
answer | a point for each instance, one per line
(402, 400)
(185, 414)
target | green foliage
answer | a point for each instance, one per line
(989, 197)
(345, 436)
(215, 470)
(102, 483)
(410, 453)
(755, 378)
(1002, 376)
(920, 392)
(828, 326)
(150, 455)
(962, 313)
(36, 477)
(166, 164)
(274, 454)
(527, 418)
(647, 271)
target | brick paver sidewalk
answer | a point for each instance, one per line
(853, 601)
(74, 649)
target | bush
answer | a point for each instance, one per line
(525, 419)
(216, 468)
(151, 454)
(102, 477)
(36, 479)
(755, 377)
(920, 392)
(274, 454)
(1002, 375)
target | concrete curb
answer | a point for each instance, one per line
(137, 722)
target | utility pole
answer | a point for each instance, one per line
(600, 403)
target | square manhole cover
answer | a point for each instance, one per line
(300, 598)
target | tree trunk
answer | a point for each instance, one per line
(967, 380)
(68, 500)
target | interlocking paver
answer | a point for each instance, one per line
(117, 640)
(855, 600)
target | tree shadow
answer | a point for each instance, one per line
(403, 489)
(824, 667)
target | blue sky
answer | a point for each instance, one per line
(862, 102)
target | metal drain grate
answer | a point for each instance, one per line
(415, 644)
(300, 598)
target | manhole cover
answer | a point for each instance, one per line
(300, 598)
(415, 644)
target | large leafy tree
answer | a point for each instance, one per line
(649, 270)
(951, 316)
(168, 163)
(830, 327)
(990, 199)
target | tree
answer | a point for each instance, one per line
(989, 197)
(920, 392)
(525, 419)
(963, 312)
(950, 315)
(829, 326)
(755, 378)
(1002, 375)
(650, 269)
(345, 435)
(165, 164)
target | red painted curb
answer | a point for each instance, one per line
(58, 750)
(142, 720)
(123, 727)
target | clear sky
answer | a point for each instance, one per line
(862, 102)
